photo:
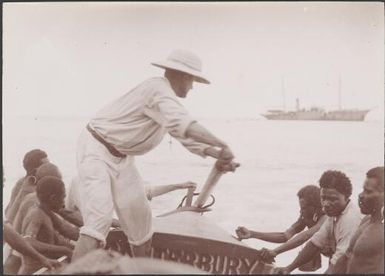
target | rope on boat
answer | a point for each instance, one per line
(195, 194)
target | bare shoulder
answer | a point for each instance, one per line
(29, 201)
(376, 230)
(30, 196)
(365, 220)
(370, 235)
(19, 182)
(16, 188)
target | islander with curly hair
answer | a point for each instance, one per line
(311, 217)
(343, 219)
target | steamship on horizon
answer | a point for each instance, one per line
(317, 113)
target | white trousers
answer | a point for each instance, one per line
(107, 183)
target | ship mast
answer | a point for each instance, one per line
(339, 92)
(283, 92)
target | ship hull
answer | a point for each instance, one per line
(339, 115)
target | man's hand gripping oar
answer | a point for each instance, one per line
(222, 165)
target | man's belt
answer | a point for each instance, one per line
(110, 147)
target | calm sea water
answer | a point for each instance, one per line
(277, 158)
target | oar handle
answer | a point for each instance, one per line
(211, 181)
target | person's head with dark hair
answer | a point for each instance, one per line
(310, 201)
(48, 169)
(336, 189)
(371, 199)
(377, 174)
(336, 180)
(51, 193)
(33, 159)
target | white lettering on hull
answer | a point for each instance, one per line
(212, 263)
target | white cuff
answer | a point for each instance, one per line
(143, 240)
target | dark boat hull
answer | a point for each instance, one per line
(208, 255)
(214, 250)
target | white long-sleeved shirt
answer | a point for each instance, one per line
(136, 122)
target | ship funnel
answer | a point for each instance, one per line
(297, 104)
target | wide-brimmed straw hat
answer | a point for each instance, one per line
(184, 61)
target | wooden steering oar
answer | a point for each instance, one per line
(217, 171)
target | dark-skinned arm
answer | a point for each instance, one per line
(304, 256)
(159, 190)
(19, 244)
(12, 210)
(300, 238)
(52, 250)
(73, 217)
(14, 193)
(63, 241)
(30, 235)
(65, 228)
(277, 237)
(27, 187)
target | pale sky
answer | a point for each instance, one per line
(70, 59)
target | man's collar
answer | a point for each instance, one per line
(347, 207)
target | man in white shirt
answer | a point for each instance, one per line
(132, 125)
(333, 238)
